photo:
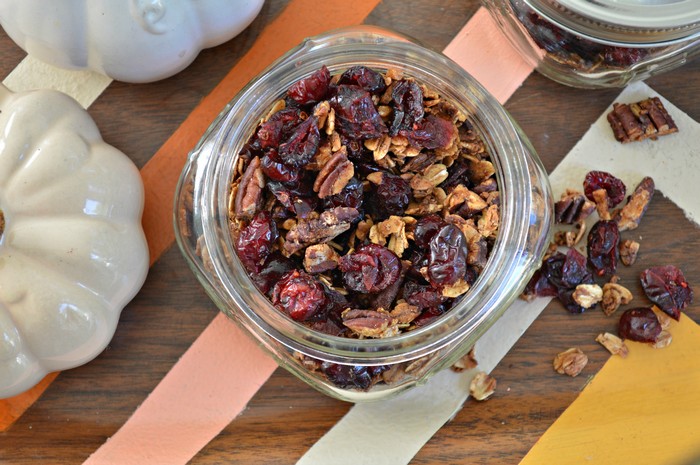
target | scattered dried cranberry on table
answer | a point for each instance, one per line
(363, 206)
(571, 277)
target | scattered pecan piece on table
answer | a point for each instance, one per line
(647, 119)
(570, 362)
(631, 214)
(613, 344)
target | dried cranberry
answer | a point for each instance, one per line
(539, 286)
(422, 296)
(351, 196)
(364, 77)
(278, 127)
(255, 241)
(666, 287)
(614, 187)
(567, 271)
(426, 228)
(407, 103)
(447, 262)
(355, 115)
(370, 269)
(385, 298)
(456, 174)
(428, 316)
(274, 169)
(299, 295)
(566, 297)
(393, 195)
(276, 266)
(430, 133)
(639, 324)
(347, 376)
(302, 144)
(623, 56)
(298, 197)
(603, 240)
(311, 89)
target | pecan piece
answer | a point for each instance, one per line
(614, 295)
(572, 207)
(482, 386)
(249, 193)
(628, 251)
(317, 230)
(369, 323)
(334, 175)
(631, 214)
(613, 344)
(570, 362)
(640, 120)
(319, 258)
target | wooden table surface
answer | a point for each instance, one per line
(85, 406)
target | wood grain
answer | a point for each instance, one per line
(85, 406)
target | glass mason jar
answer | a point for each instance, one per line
(601, 43)
(202, 222)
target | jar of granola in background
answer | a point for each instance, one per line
(601, 43)
(336, 365)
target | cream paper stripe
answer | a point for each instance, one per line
(31, 74)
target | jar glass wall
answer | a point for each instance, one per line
(202, 228)
(598, 44)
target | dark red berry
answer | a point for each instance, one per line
(299, 295)
(365, 78)
(370, 269)
(539, 286)
(666, 287)
(407, 103)
(428, 316)
(431, 133)
(351, 196)
(302, 144)
(422, 296)
(456, 174)
(356, 118)
(426, 228)
(603, 240)
(278, 127)
(392, 197)
(447, 262)
(311, 89)
(276, 266)
(255, 241)
(347, 376)
(274, 169)
(297, 198)
(601, 180)
(639, 324)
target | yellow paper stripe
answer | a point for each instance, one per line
(644, 409)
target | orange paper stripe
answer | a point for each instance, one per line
(217, 376)
(13, 407)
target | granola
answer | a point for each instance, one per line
(364, 205)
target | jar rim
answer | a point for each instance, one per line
(506, 271)
(630, 22)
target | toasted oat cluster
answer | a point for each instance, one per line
(363, 205)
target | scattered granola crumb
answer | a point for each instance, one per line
(570, 362)
(614, 344)
(662, 340)
(614, 295)
(482, 386)
(628, 252)
(465, 363)
(587, 295)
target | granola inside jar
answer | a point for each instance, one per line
(602, 43)
(306, 221)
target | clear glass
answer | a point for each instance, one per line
(201, 217)
(569, 44)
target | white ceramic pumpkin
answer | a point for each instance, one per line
(72, 249)
(127, 40)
